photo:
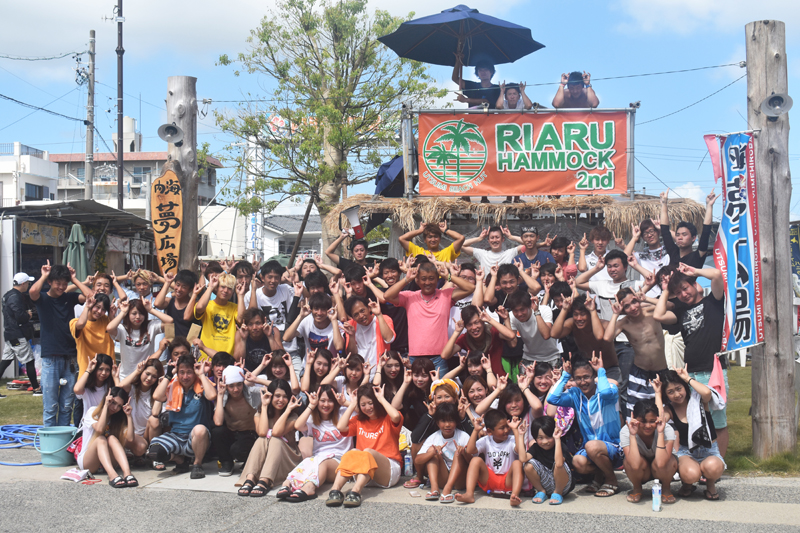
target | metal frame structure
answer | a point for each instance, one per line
(409, 141)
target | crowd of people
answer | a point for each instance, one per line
(519, 370)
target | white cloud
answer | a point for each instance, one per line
(688, 16)
(691, 191)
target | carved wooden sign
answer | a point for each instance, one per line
(166, 210)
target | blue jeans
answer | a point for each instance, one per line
(57, 399)
(439, 363)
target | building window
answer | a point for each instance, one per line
(34, 192)
(306, 245)
(141, 174)
(80, 172)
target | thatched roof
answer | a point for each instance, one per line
(617, 214)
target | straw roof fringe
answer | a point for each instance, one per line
(618, 215)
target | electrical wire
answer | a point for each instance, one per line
(690, 105)
(37, 108)
(60, 56)
(32, 112)
(17, 436)
(656, 177)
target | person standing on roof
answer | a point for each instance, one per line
(576, 92)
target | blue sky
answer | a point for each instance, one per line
(608, 39)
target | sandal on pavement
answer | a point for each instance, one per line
(541, 496)
(335, 498)
(432, 496)
(634, 497)
(158, 466)
(246, 487)
(713, 496)
(353, 499)
(131, 481)
(606, 491)
(300, 496)
(556, 499)
(447, 498)
(283, 493)
(592, 487)
(118, 483)
(686, 490)
(413, 483)
(261, 489)
(668, 499)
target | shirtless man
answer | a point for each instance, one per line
(647, 339)
(587, 330)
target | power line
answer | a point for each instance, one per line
(693, 104)
(656, 177)
(32, 112)
(60, 56)
(159, 107)
(37, 108)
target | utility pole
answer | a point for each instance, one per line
(773, 396)
(88, 175)
(120, 139)
(182, 111)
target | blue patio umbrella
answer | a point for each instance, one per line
(436, 38)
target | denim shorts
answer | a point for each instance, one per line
(615, 453)
(701, 452)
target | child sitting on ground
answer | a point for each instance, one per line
(443, 455)
(500, 469)
(544, 463)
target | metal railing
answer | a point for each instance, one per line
(8, 149)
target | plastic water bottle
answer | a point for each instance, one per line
(408, 469)
(656, 496)
(62, 381)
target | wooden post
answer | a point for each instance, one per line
(774, 424)
(182, 110)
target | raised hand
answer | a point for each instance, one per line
(502, 312)
(502, 383)
(92, 364)
(664, 197)
(584, 243)
(294, 402)
(616, 307)
(566, 303)
(633, 426)
(430, 407)
(127, 408)
(408, 376)
(463, 405)
(221, 387)
(549, 240)
(266, 396)
(379, 392)
(711, 198)
(587, 78)
(596, 361)
(619, 241)
(656, 384)
(374, 307)
(71, 271)
(486, 364)
(683, 374)
(524, 380)
(305, 309)
(558, 432)
(484, 233)
(535, 270)
(567, 367)
(636, 231)
(298, 288)
(660, 423)
(688, 270)
(348, 328)
(434, 374)
(570, 249)
(514, 423)
(601, 263)
(46, 270)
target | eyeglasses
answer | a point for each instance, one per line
(582, 379)
(650, 232)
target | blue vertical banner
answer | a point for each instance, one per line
(794, 244)
(737, 252)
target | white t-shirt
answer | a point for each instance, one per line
(327, 439)
(498, 455)
(141, 410)
(449, 445)
(276, 307)
(367, 343)
(455, 313)
(133, 349)
(534, 347)
(644, 451)
(314, 336)
(488, 258)
(606, 292)
(93, 398)
(591, 261)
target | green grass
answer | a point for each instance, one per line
(22, 408)
(740, 456)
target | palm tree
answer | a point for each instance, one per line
(460, 134)
(442, 156)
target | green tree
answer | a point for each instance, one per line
(334, 112)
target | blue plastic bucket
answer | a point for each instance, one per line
(52, 443)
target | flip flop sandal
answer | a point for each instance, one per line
(300, 496)
(131, 481)
(685, 491)
(353, 499)
(634, 497)
(592, 487)
(246, 488)
(335, 498)
(283, 493)
(556, 499)
(159, 466)
(432, 496)
(542, 496)
(261, 489)
(713, 496)
(668, 499)
(447, 498)
(606, 491)
(118, 483)
(413, 483)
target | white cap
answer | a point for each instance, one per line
(21, 277)
(232, 374)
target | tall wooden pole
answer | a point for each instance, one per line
(182, 110)
(88, 174)
(774, 425)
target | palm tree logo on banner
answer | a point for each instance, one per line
(455, 152)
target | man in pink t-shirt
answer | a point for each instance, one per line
(428, 310)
